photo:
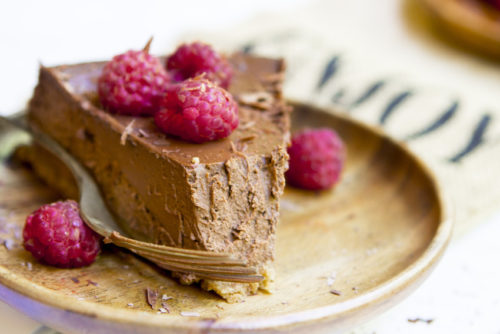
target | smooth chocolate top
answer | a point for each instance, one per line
(260, 126)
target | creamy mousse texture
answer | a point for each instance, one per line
(220, 196)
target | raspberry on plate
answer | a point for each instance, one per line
(197, 110)
(191, 60)
(316, 159)
(133, 83)
(56, 235)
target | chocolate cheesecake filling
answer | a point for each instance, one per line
(218, 196)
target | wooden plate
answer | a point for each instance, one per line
(470, 22)
(372, 240)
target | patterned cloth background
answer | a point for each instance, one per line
(383, 62)
(398, 74)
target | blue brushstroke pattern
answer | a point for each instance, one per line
(372, 90)
(475, 141)
(395, 102)
(439, 122)
(248, 48)
(337, 97)
(330, 69)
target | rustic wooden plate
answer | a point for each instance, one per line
(470, 22)
(372, 240)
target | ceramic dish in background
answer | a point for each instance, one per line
(342, 256)
(471, 22)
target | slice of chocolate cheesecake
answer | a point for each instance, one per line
(220, 196)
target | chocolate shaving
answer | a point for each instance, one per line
(269, 131)
(165, 151)
(247, 125)
(336, 292)
(89, 282)
(165, 306)
(148, 45)
(414, 320)
(143, 133)
(151, 297)
(75, 280)
(236, 151)
(259, 100)
(248, 138)
(9, 244)
(241, 147)
(128, 130)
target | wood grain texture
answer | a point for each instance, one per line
(374, 238)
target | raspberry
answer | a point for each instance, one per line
(133, 83)
(56, 235)
(197, 110)
(191, 60)
(316, 159)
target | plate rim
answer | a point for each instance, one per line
(408, 278)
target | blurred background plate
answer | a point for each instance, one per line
(469, 21)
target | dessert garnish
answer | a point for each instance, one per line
(336, 292)
(316, 159)
(151, 297)
(197, 110)
(133, 83)
(194, 59)
(56, 235)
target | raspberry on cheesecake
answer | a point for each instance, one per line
(133, 83)
(192, 60)
(197, 110)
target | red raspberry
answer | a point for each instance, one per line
(197, 110)
(132, 83)
(316, 159)
(191, 60)
(56, 235)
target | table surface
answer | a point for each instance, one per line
(461, 296)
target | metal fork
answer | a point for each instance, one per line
(204, 264)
